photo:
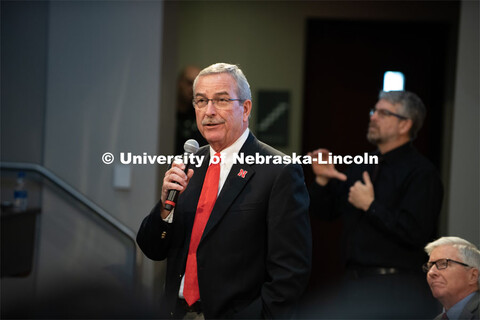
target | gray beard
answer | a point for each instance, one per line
(373, 140)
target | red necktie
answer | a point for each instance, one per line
(204, 208)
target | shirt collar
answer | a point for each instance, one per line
(396, 153)
(228, 153)
(454, 312)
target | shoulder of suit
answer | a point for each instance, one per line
(265, 149)
(203, 149)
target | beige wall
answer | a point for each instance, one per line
(267, 39)
(464, 189)
(102, 96)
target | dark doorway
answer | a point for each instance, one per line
(345, 64)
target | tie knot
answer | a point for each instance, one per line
(216, 159)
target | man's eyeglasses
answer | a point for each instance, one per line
(220, 103)
(441, 264)
(384, 113)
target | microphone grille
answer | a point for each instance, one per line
(191, 146)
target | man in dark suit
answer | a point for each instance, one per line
(453, 275)
(251, 258)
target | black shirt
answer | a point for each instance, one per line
(400, 221)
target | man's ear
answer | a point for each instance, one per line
(247, 108)
(405, 126)
(473, 279)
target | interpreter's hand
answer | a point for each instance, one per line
(361, 194)
(324, 172)
(175, 174)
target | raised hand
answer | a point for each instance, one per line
(361, 194)
(324, 172)
(175, 178)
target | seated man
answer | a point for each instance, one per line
(454, 280)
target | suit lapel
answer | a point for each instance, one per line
(238, 177)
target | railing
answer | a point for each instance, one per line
(52, 177)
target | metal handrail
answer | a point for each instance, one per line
(24, 166)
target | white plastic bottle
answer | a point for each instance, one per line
(20, 195)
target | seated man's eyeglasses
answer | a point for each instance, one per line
(441, 264)
(201, 103)
(385, 113)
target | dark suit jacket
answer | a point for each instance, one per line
(471, 310)
(254, 257)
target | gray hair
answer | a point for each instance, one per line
(243, 88)
(468, 252)
(413, 107)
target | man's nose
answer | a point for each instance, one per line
(433, 272)
(210, 108)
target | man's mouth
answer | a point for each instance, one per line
(436, 284)
(211, 124)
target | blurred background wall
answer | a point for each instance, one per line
(269, 41)
(80, 78)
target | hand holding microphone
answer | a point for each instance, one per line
(177, 177)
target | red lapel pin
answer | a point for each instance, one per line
(242, 173)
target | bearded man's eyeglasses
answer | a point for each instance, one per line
(382, 113)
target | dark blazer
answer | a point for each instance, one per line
(471, 310)
(254, 257)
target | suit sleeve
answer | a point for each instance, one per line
(288, 259)
(154, 235)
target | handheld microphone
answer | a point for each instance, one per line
(190, 146)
